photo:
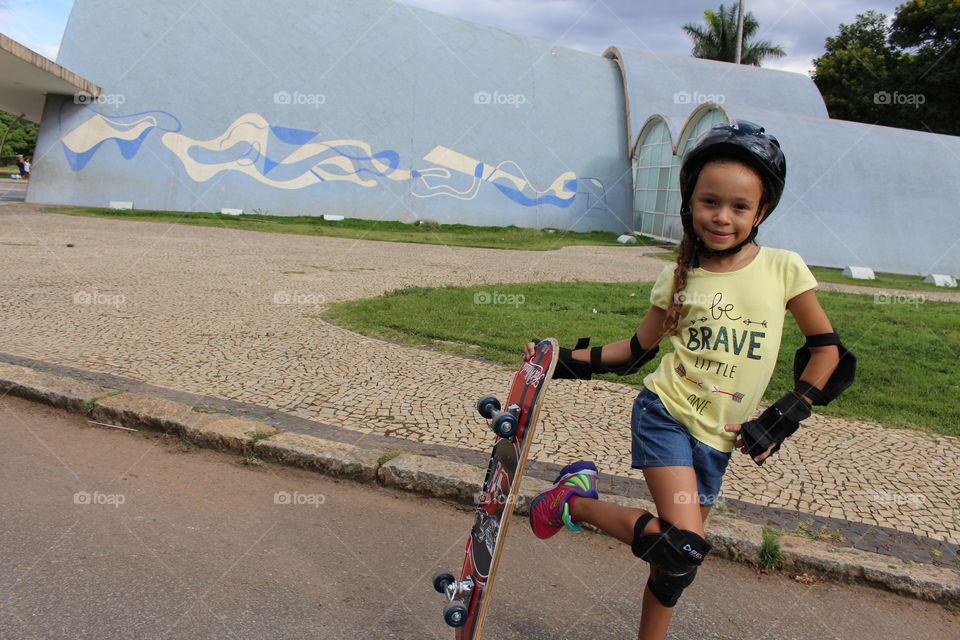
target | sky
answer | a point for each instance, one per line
(799, 26)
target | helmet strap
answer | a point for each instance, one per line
(709, 253)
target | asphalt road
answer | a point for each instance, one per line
(115, 534)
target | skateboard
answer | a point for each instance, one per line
(513, 426)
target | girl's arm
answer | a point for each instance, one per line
(813, 320)
(615, 354)
(649, 333)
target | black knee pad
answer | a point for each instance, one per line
(668, 586)
(675, 552)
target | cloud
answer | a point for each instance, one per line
(801, 27)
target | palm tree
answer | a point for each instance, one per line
(718, 40)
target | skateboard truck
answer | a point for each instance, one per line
(503, 423)
(456, 613)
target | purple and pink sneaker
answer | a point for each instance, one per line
(550, 510)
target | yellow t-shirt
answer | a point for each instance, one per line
(729, 339)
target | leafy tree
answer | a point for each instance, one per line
(905, 74)
(932, 29)
(927, 23)
(858, 66)
(717, 40)
(21, 136)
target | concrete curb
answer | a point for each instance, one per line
(731, 538)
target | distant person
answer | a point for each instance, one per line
(25, 171)
(20, 165)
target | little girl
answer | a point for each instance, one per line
(722, 306)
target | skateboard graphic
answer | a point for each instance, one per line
(468, 596)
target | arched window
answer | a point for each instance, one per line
(656, 199)
(704, 122)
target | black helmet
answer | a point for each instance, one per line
(741, 140)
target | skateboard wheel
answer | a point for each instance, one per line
(488, 406)
(441, 582)
(455, 615)
(505, 425)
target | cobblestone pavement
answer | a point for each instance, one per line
(228, 313)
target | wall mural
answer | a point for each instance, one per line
(286, 158)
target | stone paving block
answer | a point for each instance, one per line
(225, 432)
(734, 539)
(923, 581)
(333, 458)
(433, 476)
(140, 411)
(62, 392)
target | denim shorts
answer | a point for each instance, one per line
(659, 440)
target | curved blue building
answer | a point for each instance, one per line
(375, 109)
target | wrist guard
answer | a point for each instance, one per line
(569, 369)
(638, 357)
(774, 425)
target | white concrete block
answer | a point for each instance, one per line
(120, 204)
(941, 280)
(231, 212)
(332, 218)
(626, 239)
(859, 273)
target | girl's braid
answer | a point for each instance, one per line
(685, 255)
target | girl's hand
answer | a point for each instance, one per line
(529, 350)
(735, 428)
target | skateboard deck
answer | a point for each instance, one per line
(513, 422)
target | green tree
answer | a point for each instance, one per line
(717, 40)
(21, 136)
(931, 28)
(858, 67)
(905, 74)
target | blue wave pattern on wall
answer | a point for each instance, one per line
(129, 133)
(291, 158)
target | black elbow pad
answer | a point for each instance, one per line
(841, 378)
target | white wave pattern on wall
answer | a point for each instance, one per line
(328, 159)
(286, 158)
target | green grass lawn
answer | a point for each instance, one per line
(908, 354)
(460, 235)
(10, 168)
(826, 274)
(883, 281)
